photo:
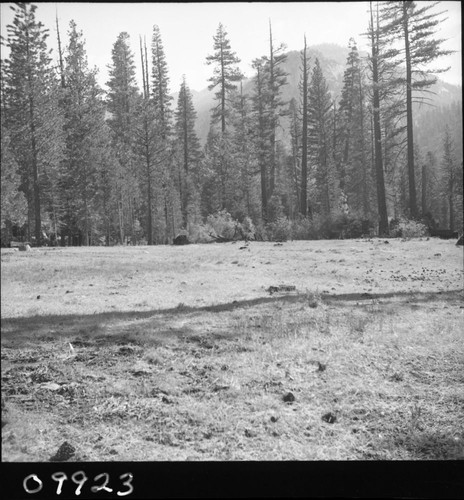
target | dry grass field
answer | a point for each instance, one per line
(316, 350)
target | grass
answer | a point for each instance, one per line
(181, 354)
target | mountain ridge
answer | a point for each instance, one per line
(332, 58)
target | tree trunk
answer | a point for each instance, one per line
(304, 140)
(409, 122)
(424, 189)
(380, 181)
(35, 166)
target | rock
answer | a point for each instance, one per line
(181, 239)
(321, 367)
(281, 288)
(24, 248)
(288, 398)
(460, 240)
(65, 452)
(274, 419)
(50, 386)
(330, 418)
(249, 433)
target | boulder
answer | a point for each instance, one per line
(460, 240)
(181, 239)
(24, 248)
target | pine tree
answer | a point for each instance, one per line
(189, 148)
(243, 147)
(354, 178)
(261, 130)
(30, 113)
(416, 26)
(277, 78)
(450, 174)
(319, 108)
(160, 84)
(13, 201)
(376, 63)
(295, 169)
(225, 75)
(304, 85)
(165, 168)
(146, 146)
(122, 102)
(86, 139)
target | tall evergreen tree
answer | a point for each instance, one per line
(261, 130)
(165, 168)
(319, 108)
(122, 102)
(295, 168)
(416, 26)
(86, 138)
(304, 85)
(30, 112)
(450, 174)
(225, 75)
(160, 84)
(277, 78)
(13, 201)
(376, 62)
(246, 191)
(189, 148)
(354, 178)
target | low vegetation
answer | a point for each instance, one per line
(322, 350)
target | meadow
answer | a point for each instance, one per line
(303, 350)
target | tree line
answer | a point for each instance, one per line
(80, 166)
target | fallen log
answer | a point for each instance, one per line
(444, 234)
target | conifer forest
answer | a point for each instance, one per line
(297, 151)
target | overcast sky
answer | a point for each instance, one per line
(187, 30)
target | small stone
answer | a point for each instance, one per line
(274, 419)
(321, 367)
(288, 398)
(329, 418)
(65, 452)
(38, 297)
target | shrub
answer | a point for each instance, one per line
(305, 228)
(222, 224)
(248, 229)
(404, 228)
(280, 230)
(198, 233)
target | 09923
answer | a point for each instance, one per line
(33, 484)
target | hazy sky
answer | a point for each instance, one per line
(187, 30)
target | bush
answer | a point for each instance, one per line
(305, 228)
(280, 230)
(198, 233)
(248, 229)
(404, 228)
(222, 224)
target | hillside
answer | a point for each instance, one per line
(332, 58)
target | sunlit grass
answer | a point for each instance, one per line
(177, 381)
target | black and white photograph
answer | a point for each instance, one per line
(230, 233)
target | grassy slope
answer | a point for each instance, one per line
(181, 353)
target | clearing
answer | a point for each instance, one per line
(315, 350)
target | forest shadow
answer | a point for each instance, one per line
(17, 328)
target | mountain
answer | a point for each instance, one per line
(332, 58)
